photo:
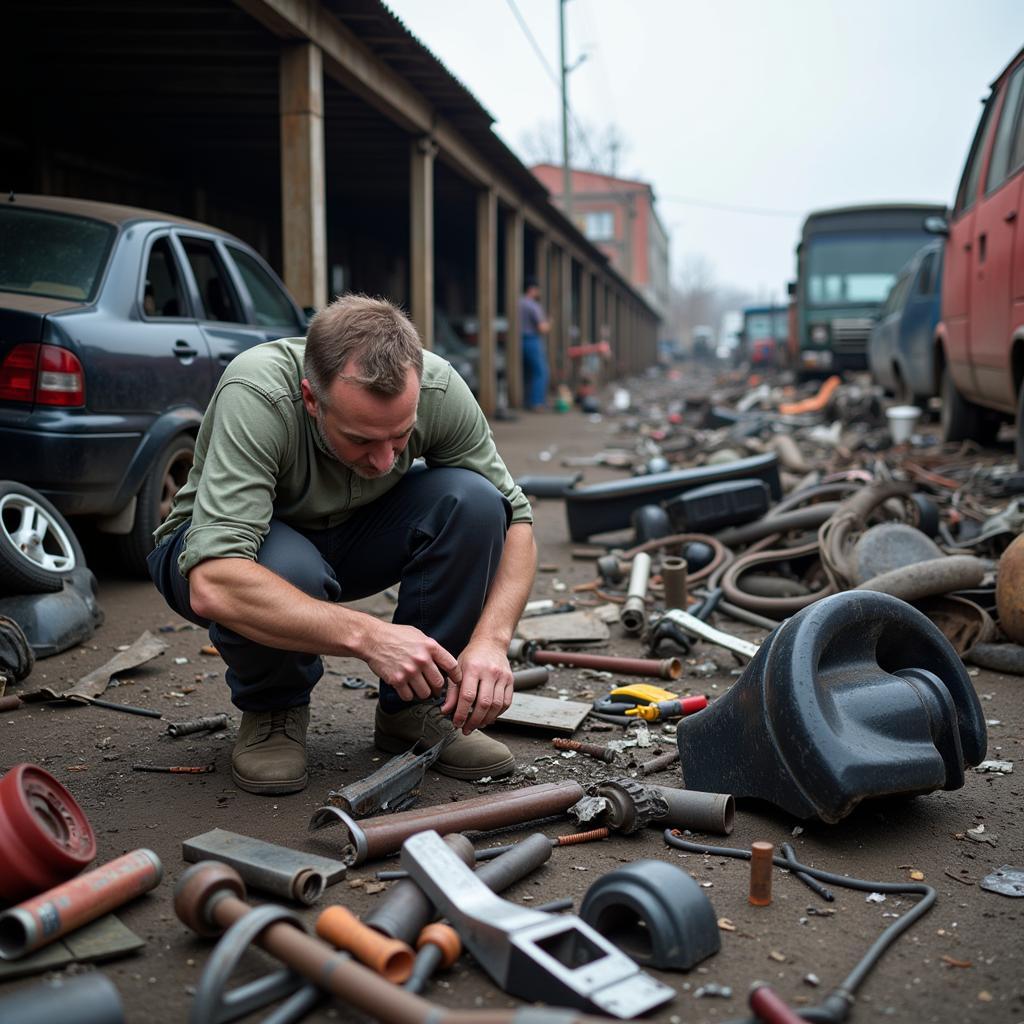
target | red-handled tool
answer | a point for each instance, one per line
(678, 708)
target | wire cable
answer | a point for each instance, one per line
(837, 1004)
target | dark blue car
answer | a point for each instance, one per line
(901, 348)
(115, 326)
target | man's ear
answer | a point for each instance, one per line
(308, 398)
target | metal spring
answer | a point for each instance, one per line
(581, 837)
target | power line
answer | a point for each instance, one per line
(760, 211)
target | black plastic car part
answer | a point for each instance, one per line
(536, 486)
(655, 913)
(712, 508)
(54, 622)
(857, 696)
(608, 506)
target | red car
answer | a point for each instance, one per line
(980, 336)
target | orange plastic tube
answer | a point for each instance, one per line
(815, 404)
(390, 958)
(445, 938)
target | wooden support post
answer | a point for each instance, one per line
(565, 331)
(303, 191)
(513, 290)
(487, 296)
(421, 236)
(587, 334)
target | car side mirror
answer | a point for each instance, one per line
(936, 226)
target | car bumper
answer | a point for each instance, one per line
(81, 473)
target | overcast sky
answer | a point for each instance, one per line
(785, 106)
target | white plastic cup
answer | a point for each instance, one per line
(902, 420)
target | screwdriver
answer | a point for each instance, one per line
(678, 708)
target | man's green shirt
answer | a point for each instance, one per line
(259, 456)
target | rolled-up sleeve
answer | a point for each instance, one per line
(234, 502)
(461, 436)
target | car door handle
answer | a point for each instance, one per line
(1010, 217)
(184, 350)
(225, 357)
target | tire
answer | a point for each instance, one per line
(962, 420)
(37, 546)
(153, 502)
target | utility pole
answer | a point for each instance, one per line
(566, 169)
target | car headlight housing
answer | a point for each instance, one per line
(814, 360)
(819, 334)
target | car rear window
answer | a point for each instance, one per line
(52, 254)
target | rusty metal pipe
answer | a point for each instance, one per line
(674, 580)
(809, 518)
(44, 918)
(666, 668)
(699, 812)
(212, 723)
(209, 899)
(10, 704)
(523, 859)
(370, 838)
(594, 750)
(660, 763)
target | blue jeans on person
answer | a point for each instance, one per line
(535, 370)
(439, 533)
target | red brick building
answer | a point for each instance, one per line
(618, 215)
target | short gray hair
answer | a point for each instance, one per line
(374, 333)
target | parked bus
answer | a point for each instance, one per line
(847, 260)
(765, 329)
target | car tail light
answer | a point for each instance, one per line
(44, 374)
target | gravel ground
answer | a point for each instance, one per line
(962, 962)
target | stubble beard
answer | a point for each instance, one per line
(361, 472)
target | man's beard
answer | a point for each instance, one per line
(360, 471)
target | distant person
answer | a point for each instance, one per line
(534, 325)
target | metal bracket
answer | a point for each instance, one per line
(555, 958)
(698, 627)
(392, 781)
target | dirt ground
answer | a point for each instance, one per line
(963, 962)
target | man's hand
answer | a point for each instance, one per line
(411, 662)
(485, 690)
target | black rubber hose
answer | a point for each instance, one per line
(836, 1006)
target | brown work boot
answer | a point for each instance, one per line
(465, 757)
(270, 754)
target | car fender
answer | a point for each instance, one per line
(183, 420)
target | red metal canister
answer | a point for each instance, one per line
(45, 837)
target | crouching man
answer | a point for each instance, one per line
(303, 495)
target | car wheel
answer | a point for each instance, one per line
(962, 420)
(901, 391)
(154, 501)
(37, 546)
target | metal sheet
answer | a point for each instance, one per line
(1007, 881)
(566, 627)
(103, 939)
(545, 713)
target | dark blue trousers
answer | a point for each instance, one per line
(439, 533)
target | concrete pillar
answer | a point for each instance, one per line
(421, 236)
(513, 289)
(303, 191)
(487, 296)
(586, 318)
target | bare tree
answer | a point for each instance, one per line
(698, 300)
(593, 147)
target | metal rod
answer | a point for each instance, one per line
(530, 678)
(660, 763)
(700, 812)
(594, 750)
(176, 769)
(666, 668)
(212, 723)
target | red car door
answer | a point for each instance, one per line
(995, 227)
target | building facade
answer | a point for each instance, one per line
(618, 215)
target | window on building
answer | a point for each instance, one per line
(599, 225)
